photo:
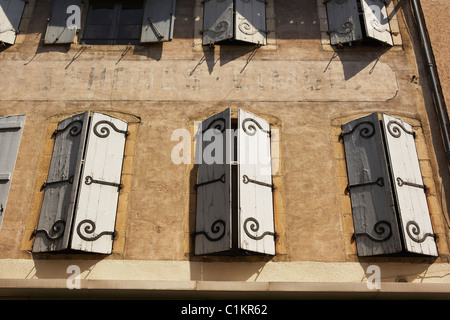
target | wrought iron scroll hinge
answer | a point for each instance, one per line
(379, 181)
(45, 184)
(86, 231)
(246, 179)
(221, 179)
(401, 183)
(217, 228)
(89, 180)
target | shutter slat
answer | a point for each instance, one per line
(10, 15)
(376, 20)
(343, 21)
(158, 21)
(408, 185)
(217, 21)
(95, 217)
(250, 21)
(213, 216)
(256, 221)
(373, 210)
(57, 30)
(60, 189)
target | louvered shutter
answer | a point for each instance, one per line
(158, 20)
(94, 223)
(250, 21)
(376, 20)
(10, 15)
(57, 29)
(256, 220)
(408, 185)
(343, 21)
(60, 189)
(373, 208)
(217, 20)
(10, 134)
(213, 217)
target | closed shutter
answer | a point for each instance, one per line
(213, 217)
(10, 15)
(10, 134)
(373, 208)
(408, 185)
(376, 20)
(256, 220)
(100, 184)
(57, 29)
(158, 20)
(250, 21)
(217, 20)
(60, 189)
(343, 21)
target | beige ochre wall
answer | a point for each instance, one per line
(302, 86)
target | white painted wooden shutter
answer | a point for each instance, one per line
(250, 21)
(158, 20)
(217, 20)
(10, 15)
(369, 185)
(408, 185)
(57, 29)
(60, 189)
(343, 21)
(10, 135)
(94, 223)
(213, 217)
(376, 20)
(256, 220)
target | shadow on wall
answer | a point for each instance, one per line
(223, 271)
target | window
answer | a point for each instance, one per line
(10, 15)
(388, 200)
(10, 135)
(113, 22)
(242, 20)
(358, 22)
(234, 186)
(80, 198)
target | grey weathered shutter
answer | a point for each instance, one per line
(250, 21)
(10, 15)
(373, 208)
(408, 186)
(217, 20)
(95, 214)
(57, 29)
(256, 221)
(376, 20)
(213, 217)
(10, 134)
(343, 21)
(158, 20)
(60, 189)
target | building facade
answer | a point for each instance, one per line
(215, 149)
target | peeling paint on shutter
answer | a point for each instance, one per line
(408, 185)
(158, 20)
(343, 21)
(250, 21)
(376, 20)
(10, 15)
(369, 185)
(57, 29)
(217, 20)
(10, 135)
(60, 189)
(213, 217)
(256, 221)
(94, 223)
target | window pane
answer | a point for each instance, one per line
(131, 12)
(129, 32)
(101, 12)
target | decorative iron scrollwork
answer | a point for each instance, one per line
(221, 179)
(346, 28)
(246, 179)
(89, 229)
(250, 129)
(217, 228)
(380, 230)
(89, 180)
(413, 231)
(393, 129)
(365, 132)
(57, 230)
(218, 124)
(254, 227)
(401, 183)
(75, 128)
(104, 131)
(379, 182)
(46, 184)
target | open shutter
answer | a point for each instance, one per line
(217, 20)
(57, 29)
(343, 21)
(95, 217)
(250, 21)
(10, 134)
(373, 208)
(158, 20)
(408, 185)
(376, 20)
(10, 15)
(60, 189)
(213, 217)
(256, 221)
